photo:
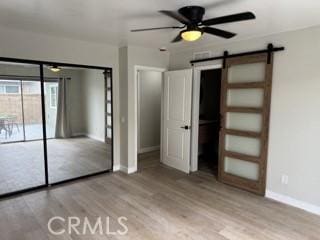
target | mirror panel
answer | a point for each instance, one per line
(21, 128)
(79, 100)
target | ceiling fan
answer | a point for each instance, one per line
(193, 25)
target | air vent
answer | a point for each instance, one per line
(201, 55)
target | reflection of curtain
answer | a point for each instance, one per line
(63, 129)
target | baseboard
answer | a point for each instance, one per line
(128, 170)
(293, 202)
(116, 168)
(79, 134)
(89, 136)
(95, 138)
(149, 149)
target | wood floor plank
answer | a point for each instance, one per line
(160, 203)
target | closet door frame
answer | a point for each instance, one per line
(41, 65)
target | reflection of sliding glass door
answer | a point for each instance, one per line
(51, 103)
(31, 110)
(11, 114)
(20, 111)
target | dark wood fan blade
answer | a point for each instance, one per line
(177, 16)
(218, 32)
(230, 18)
(178, 38)
(151, 29)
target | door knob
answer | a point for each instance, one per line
(186, 127)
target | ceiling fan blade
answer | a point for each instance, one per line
(229, 18)
(151, 29)
(178, 38)
(218, 32)
(177, 16)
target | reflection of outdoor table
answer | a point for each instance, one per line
(6, 123)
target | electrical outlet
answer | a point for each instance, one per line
(284, 179)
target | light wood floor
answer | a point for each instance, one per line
(160, 203)
(22, 164)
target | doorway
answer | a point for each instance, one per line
(175, 127)
(209, 120)
(149, 112)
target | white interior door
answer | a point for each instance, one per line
(176, 131)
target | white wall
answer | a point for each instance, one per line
(149, 110)
(21, 44)
(134, 56)
(93, 103)
(295, 109)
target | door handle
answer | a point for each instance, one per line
(186, 127)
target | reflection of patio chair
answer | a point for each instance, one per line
(11, 123)
(7, 123)
(4, 126)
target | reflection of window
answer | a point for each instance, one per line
(53, 96)
(9, 89)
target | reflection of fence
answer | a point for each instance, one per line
(10, 104)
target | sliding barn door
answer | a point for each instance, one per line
(245, 107)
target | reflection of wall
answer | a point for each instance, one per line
(150, 109)
(93, 103)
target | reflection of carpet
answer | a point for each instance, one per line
(32, 132)
(22, 164)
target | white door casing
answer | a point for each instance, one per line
(177, 116)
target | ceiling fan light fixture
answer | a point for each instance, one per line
(55, 69)
(191, 35)
(194, 26)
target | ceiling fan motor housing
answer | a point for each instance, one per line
(193, 13)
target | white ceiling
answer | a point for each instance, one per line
(109, 21)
